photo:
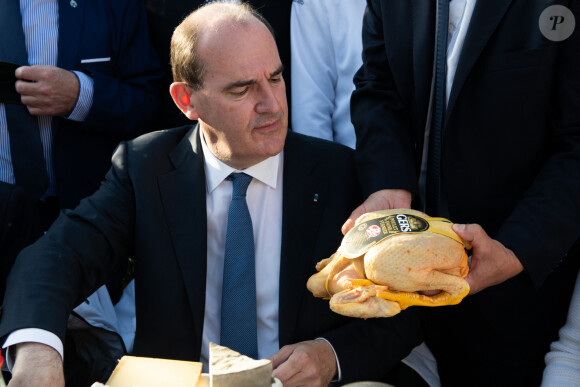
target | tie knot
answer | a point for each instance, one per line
(241, 181)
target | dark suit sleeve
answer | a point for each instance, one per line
(125, 96)
(73, 259)
(384, 141)
(546, 221)
(369, 349)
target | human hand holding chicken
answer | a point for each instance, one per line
(491, 262)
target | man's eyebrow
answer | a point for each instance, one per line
(249, 82)
(242, 83)
(277, 72)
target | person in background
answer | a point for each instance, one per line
(225, 221)
(563, 360)
(469, 110)
(326, 51)
(81, 76)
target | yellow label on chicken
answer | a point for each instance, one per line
(365, 235)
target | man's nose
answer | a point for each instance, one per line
(268, 101)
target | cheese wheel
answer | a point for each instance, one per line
(228, 368)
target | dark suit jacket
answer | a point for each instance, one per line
(125, 99)
(510, 162)
(165, 15)
(152, 206)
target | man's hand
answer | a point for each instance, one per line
(385, 199)
(491, 262)
(47, 90)
(36, 365)
(309, 363)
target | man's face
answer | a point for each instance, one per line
(242, 105)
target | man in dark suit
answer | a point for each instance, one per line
(509, 166)
(88, 75)
(163, 202)
(165, 15)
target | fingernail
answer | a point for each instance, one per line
(459, 227)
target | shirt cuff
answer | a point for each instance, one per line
(31, 335)
(336, 358)
(85, 99)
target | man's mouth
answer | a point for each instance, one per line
(268, 123)
(267, 126)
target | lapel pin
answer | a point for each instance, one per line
(315, 198)
(73, 3)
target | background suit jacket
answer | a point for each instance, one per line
(165, 15)
(510, 162)
(125, 105)
(125, 100)
(152, 206)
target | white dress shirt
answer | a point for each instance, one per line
(460, 12)
(264, 198)
(326, 44)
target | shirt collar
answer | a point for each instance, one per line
(216, 171)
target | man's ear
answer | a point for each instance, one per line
(180, 92)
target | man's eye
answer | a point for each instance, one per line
(276, 79)
(240, 93)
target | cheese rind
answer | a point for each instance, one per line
(229, 368)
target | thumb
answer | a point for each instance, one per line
(352, 218)
(468, 233)
(26, 73)
(281, 356)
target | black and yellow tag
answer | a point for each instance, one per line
(365, 235)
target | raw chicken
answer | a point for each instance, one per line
(387, 259)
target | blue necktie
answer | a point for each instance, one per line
(238, 324)
(433, 203)
(25, 145)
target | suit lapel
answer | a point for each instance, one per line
(183, 196)
(301, 220)
(70, 24)
(484, 21)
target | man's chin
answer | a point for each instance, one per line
(274, 147)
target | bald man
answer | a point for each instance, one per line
(165, 202)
